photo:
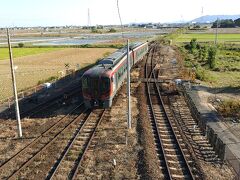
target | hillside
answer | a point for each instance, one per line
(212, 18)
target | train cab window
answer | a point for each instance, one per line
(85, 82)
(105, 84)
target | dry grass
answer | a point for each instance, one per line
(32, 69)
(229, 108)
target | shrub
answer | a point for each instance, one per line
(229, 108)
(20, 45)
(112, 30)
(94, 30)
(50, 79)
(201, 74)
(193, 45)
(212, 52)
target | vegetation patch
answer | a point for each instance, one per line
(214, 65)
(50, 79)
(20, 52)
(41, 68)
(229, 108)
(202, 37)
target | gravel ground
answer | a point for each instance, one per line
(111, 144)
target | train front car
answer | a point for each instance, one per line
(101, 82)
(98, 84)
(96, 87)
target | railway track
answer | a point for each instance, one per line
(22, 159)
(172, 159)
(49, 104)
(71, 158)
(44, 110)
(198, 141)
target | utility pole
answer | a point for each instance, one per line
(216, 33)
(89, 19)
(129, 120)
(14, 86)
(120, 18)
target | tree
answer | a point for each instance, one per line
(237, 22)
(225, 23)
(212, 52)
(200, 53)
(204, 52)
(193, 45)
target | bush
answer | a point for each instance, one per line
(94, 30)
(193, 45)
(202, 74)
(212, 52)
(229, 108)
(20, 45)
(112, 30)
(50, 79)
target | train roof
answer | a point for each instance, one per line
(110, 61)
(97, 70)
(118, 55)
(115, 57)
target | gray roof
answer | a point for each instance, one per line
(116, 56)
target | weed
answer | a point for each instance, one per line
(202, 74)
(50, 79)
(230, 108)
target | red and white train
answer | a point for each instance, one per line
(101, 82)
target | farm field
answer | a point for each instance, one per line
(19, 52)
(35, 68)
(222, 80)
(227, 71)
(202, 37)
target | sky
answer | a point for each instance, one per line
(75, 12)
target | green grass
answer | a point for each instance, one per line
(208, 37)
(226, 73)
(20, 52)
(223, 79)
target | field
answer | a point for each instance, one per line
(202, 37)
(19, 52)
(35, 68)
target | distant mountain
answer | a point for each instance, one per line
(212, 18)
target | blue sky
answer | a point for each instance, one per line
(74, 12)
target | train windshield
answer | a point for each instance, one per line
(94, 86)
(105, 85)
(85, 83)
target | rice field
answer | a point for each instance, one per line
(20, 52)
(202, 37)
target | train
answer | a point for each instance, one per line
(101, 82)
